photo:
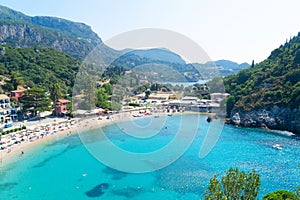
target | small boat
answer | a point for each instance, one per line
(156, 116)
(277, 146)
(137, 115)
(170, 115)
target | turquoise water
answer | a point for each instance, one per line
(64, 169)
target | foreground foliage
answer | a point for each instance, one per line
(234, 185)
(280, 195)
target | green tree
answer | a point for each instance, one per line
(234, 185)
(147, 93)
(115, 106)
(230, 101)
(280, 195)
(35, 100)
(16, 79)
(88, 101)
(252, 65)
(101, 98)
(216, 85)
(55, 92)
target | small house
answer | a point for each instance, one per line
(17, 94)
(61, 107)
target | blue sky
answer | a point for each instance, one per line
(238, 30)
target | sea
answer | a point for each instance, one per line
(154, 157)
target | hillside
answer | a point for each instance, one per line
(37, 67)
(75, 29)
(227, 67)
(159, 54)
(174, 64)
(72, 38)
(269, 90)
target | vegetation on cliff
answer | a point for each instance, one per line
(37, 67)
(275, 81)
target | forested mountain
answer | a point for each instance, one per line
(78, 40)
(227, 67)
(78, 30)
(72, 38)
(159, 54)
(38, 67)
(272, 87)
(31, 38)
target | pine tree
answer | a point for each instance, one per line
(252, 65)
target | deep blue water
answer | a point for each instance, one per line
(65, 169)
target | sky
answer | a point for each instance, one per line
(237, 30)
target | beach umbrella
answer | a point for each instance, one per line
(5, 140)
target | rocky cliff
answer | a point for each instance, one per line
(268, 93)
(275, 117)
(25, 35)
(73, 38)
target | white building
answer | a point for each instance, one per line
(4, 101)
(7, 113)
(189, 100)
(218, 97)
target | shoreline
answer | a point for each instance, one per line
(18, 150)
(85, 124)
(81, 124)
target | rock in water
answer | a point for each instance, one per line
(209, 119)
(98, 190)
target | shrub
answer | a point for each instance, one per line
(280, 195)
(134, 104)
(23, 127)
(234, 185)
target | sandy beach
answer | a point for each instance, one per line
(16, 151)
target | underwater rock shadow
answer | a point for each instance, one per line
(7, 186)
(97, 191)
(128, 192)
(72, 141)
(45, 161)
(116, 175)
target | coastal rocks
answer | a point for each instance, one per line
(235, 119)
(274, 117)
